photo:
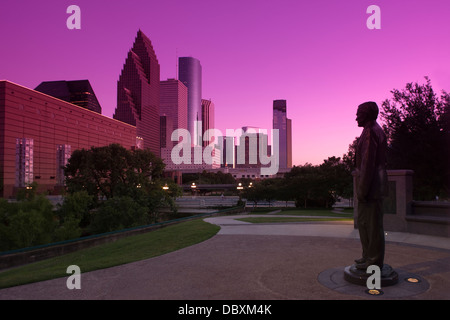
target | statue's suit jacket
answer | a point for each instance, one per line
(370, 163)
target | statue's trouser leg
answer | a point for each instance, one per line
(371, 231)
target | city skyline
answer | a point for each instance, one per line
(320, 57)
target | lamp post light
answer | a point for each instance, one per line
(240, 187)
(166, 187)
(193, 188)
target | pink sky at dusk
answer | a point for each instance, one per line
(318, 55)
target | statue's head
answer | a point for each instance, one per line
(367, 111)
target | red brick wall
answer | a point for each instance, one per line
(25, 113)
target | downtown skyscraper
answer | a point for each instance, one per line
(190, 74)
(207, 120)
(174, 107)
(284, 126)
(138, 91)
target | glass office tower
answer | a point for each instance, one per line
(190, 74)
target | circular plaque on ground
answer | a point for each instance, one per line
(408, 284)
(357, 276)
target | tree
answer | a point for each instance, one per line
(416, 124)
(316, 186)
(337, 178)
(349, 160)
(305, 181)
(208, 178)
(117, 180)
(254, 194)
(112, 170)
(118, 213)
(73, 214)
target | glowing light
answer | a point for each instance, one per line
(374, 292)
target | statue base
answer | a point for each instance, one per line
(356, 276)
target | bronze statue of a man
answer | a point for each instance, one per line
(371, 180)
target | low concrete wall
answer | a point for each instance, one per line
(429, 217)
(402, 214)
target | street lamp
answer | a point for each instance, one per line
(193, 188)
(240, 188)
(166, 187)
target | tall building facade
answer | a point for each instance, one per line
(227, 146)
(207, 120)
(78, 92)
(166, 125)
(289, 143)
(284, 126)
(247, 152)
(174, 106)
(190, 74)
(138, 90)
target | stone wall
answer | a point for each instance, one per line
(403, 214)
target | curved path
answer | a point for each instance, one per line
(258, 262)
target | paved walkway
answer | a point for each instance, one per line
(260, 262)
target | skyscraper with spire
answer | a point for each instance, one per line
(138, 92)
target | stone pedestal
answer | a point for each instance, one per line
(356, 276)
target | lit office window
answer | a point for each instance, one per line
(63, 153)
(24, 162)
(139, 143)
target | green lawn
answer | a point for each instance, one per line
(288, 219)
(125, 250)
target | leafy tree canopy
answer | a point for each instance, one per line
(416, 122)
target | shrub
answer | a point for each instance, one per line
(26, 223)
(118, 213)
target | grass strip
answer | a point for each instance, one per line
(125, 250)
(288, 219)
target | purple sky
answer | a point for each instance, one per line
(318, 55)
